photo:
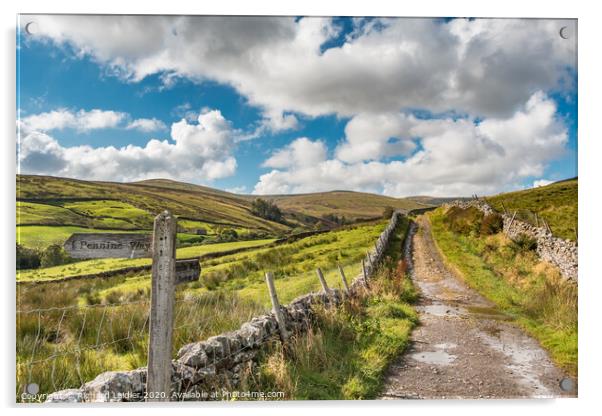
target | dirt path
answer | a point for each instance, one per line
(464, 347)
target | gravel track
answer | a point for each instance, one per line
(464, 347)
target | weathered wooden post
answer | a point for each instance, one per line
(547, 225)
(322, 281)
(344, 279)
(269, 278)
(511, 221)
(158, 383)
(365, 273)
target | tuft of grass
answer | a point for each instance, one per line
(512, 276)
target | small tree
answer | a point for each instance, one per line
(266, 209)
(54, 255)
(228, 234)
(27, 258)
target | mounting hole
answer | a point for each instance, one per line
(566, 384)
(32, 388)
(31, 28)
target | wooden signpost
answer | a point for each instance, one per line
(158, 381)
(167, 272)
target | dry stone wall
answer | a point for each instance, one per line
(222, 360)
(559, 252)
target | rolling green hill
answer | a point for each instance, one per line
(129, 205)
(433, 200)
(49, 209)
(556, 203)
(352, 205)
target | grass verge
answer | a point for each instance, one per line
(346, 352)
(529, 290)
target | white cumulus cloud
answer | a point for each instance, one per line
(301, 152)
(81, 120)
(455, 157)
(87, 120)
(197, 152)
(146, 125)
(485, 67)
(541, 182)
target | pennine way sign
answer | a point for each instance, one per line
(106, 245)
(187, 271)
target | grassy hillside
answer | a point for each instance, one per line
(433, 200)
(352, 205)
(556, 203)
(49, 209)
(49, 201)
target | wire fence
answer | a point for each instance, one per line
(523, 214)
(65, 345)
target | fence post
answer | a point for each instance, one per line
(322, 281)
(158, 383)
(547, 226)
(269, 278)
(511, 221)
(344, 279)
(365, 273)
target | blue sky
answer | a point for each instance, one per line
(309, 105)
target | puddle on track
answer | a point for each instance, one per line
(440, 356)
(478, 312)
(441, 309)
(434, 357)
(526, 358)
(488, 312)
